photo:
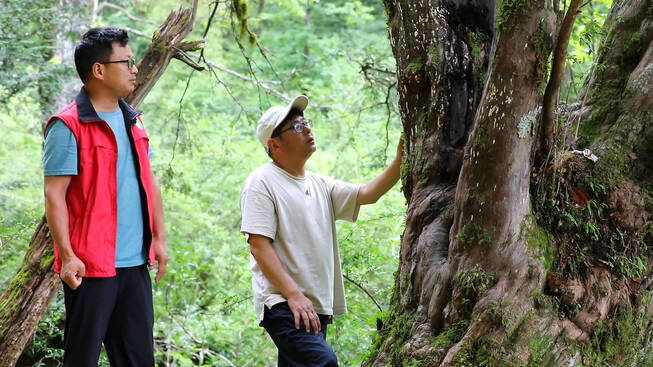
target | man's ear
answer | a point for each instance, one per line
(273, 145)
(97, 71)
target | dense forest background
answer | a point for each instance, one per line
(201, 127)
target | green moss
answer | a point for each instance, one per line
(539, 242)
(543, 43)
(241, 8)
(609, 171)
(396, 325)
(464, 357)
(474, 234)
(451, 335)
(480, 142)
(620, 340)
(633, 48)
(47, 259)
(411, 362)
(396, 335)
(14, 290)
(496, 313)
(539, 347)
(475, 41)
(416, 65)
(586, 237)
(475, 279)
(471, 285)
(622, 53)
(488, 350)
(509, 9)
(434, 54)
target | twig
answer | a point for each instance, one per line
(364, 290)
(254, 81)
(185, 58)
(208, 26)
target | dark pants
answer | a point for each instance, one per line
(117, 311)
(297, 347)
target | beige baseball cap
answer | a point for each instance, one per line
(274, 116)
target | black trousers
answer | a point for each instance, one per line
(297, 347)
(117, 311)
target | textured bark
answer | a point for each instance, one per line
(26, 299)
(557, 71)
(474, 285)
(167, 43)
(27, 296)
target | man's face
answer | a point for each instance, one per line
(118, 77)
(294, 143)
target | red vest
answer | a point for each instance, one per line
(91, 196)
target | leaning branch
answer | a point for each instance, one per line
(557, 71)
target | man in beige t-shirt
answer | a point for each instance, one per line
(288, 216)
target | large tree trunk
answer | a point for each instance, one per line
(487, 274)
(26, 299)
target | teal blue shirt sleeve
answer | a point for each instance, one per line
(59, 151)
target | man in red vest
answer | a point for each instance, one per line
(104, 209)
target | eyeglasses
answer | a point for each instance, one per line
(298, 126)
(130, 62)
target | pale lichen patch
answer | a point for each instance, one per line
(527, 121)
(642, 83)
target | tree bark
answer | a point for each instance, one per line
(484, 279)
(26, 299)
(557, 71)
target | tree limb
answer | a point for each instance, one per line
(557, 71)
(256, 82)
(106, 4)
(364, 290)
(166, 42)
(137, 32)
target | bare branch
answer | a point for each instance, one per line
(256, 82)
(369, 66)
(364, 290)
(183, 57)
(137, 32)
(106, 4)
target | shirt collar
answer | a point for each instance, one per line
(87, 113)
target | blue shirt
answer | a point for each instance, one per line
(60, 158)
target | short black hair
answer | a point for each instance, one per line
(96, 45)
(294, 112)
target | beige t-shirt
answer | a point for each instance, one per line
(299, 215)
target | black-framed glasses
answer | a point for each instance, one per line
(298, 126)
(130, 62)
